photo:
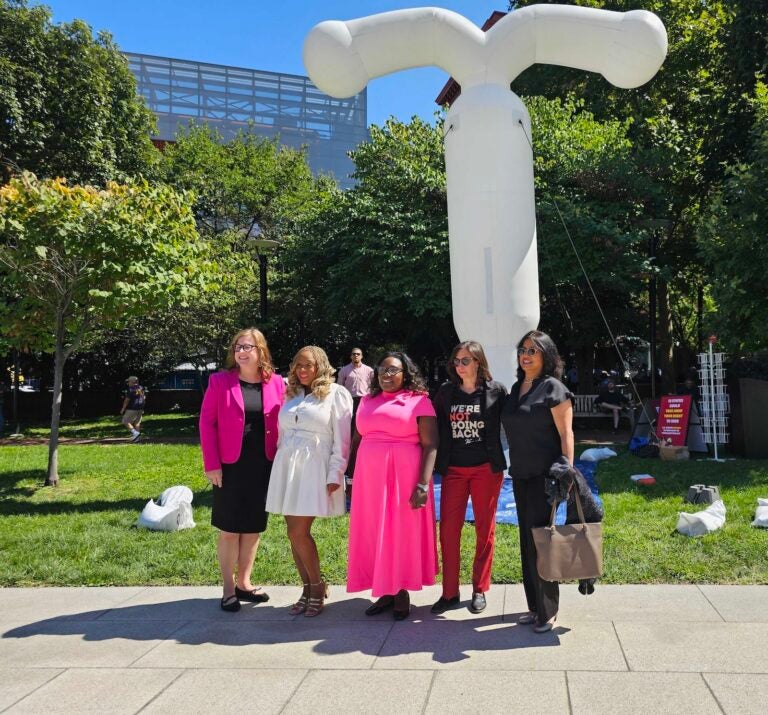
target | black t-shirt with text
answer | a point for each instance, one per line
(468, 446)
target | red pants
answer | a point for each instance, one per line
(483, 485)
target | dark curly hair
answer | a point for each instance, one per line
(412, 379)
(553, 363)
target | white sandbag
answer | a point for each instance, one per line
(595, 454)
(702, 522)
(175, 495)
(172, 512)
(761, 514)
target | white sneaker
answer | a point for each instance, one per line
(136, 437)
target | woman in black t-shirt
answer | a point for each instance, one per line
(538, 422)
(471, 462)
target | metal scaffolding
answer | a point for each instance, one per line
(273, 104)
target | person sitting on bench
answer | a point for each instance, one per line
(611, 400)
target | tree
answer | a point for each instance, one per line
(247, 188)
(371, 264)
(68, 101)
(733, 242)
(76, 258)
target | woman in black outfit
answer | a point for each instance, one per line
(538, 422)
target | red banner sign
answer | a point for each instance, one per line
(674, 413)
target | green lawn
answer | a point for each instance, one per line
(82, 532)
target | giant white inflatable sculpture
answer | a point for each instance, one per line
(488, 157)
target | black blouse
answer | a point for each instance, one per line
(254, 407)
(534, 442)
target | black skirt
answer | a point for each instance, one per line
(239, 504)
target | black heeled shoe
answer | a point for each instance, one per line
(383, 604)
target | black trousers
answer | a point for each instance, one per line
(533, 510)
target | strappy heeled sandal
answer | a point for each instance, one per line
(316, 603)
(301, 605)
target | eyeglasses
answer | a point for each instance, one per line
(390, 371)
(463, 361)
(245, 347)
(305, 366)
(530, 352)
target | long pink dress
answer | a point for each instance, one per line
(391, 545)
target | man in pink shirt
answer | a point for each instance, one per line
(356, 377)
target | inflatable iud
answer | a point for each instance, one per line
(488, 158)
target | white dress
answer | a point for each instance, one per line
(312, 451)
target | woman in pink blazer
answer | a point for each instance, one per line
(238, 435)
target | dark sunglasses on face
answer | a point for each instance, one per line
(389, 371)
(244, 347)
(462, 361)
(530, 352)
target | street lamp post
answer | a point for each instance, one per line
(262, 245)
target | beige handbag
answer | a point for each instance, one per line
(571, 551)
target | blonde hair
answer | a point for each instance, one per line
(321, 385)
(265, 357)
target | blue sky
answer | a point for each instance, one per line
(263, 34)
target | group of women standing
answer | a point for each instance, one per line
(272, 448)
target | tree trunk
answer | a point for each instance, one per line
(665, 340)
(60, 357)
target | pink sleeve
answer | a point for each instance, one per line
(209, 419)
(423, 407)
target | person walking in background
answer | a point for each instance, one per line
(572, 379)
(538, 422)
(392, 546)
(471, 461)
(134, 400)
(356, 377)
(238, 436)
(308, 473)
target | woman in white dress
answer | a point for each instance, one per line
(308, 472)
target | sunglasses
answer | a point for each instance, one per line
(462, 361)
(530, 352)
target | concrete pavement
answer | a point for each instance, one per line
(627, 649)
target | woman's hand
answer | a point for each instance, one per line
(418, 498)
(214, 477)
(331, 488)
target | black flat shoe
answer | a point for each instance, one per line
(383, 604)
(402, 597)
(254, 596)
(443, 604)
(230, 604)
(478, 602)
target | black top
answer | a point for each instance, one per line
(491, 399)
(467, 429)
(135, 396)
(254, 407)
(534, 442)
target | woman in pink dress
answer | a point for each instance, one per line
(392, 547)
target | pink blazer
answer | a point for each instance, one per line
(222, 418)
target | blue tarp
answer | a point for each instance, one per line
(506, 512)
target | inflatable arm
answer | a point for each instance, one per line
(626, 48)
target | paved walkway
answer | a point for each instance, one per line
(643, 649)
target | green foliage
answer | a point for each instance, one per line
(94, 257)
(68, 100)
(733, 242)
(371, 265)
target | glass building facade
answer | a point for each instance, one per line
(274, 104)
